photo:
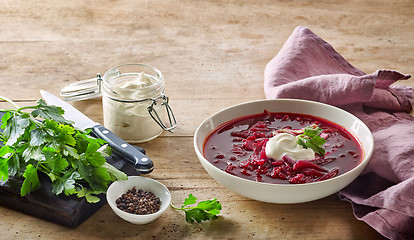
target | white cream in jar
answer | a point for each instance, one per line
(128, 91)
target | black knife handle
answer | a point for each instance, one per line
(143, 164)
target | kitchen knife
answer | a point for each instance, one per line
(143, 164)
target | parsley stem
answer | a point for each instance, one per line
(9, 101)
(176, 208)
(182, 208)
(28, 107)
(43, 168)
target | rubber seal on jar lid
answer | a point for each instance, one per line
(82, 90)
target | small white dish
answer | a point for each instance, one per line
(284, 193)
(117, 188)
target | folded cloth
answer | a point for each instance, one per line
(309, 68)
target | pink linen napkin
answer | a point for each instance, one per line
(309, 68)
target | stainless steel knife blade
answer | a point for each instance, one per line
(143, 164)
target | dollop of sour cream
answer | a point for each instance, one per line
(286, 144)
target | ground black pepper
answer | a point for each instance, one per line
(138, 202)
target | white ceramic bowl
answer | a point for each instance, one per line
(285, 193)
(117, 188)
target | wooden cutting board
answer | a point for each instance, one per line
(42, 203)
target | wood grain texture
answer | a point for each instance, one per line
(212, 54)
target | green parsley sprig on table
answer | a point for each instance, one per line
(43, 141)
(205, 210)
(311, 139)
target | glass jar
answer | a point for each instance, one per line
(134, 104)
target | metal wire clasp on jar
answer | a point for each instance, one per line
(134, 104)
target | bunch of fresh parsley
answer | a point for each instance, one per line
(44, 142)
(311, 138)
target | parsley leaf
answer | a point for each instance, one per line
(190, 200)
(311, 139)
(87, 193)
(31, 181)
(44, 142)
(113, 172)
(205, 210)
(4, 170)
(15, 128)
(50, 112)
(66, 183)
(55, 161)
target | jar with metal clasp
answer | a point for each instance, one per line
(135, 106)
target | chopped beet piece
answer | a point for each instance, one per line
(288, 160)
(302, 164)
(242, 134)
(239, 151)
(244, 171)
(312, 172)
(278, 163)
(329, 175)
(299, 178)
(322, 161)
(229, 169)
(248, 143)
(220, 156)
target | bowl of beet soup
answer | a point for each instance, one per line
(232, 145)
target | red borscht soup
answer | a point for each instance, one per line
(238, 148)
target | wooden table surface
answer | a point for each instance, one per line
(213, 54)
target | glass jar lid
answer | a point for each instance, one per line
(82, 90)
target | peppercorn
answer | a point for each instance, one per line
(138, 202)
